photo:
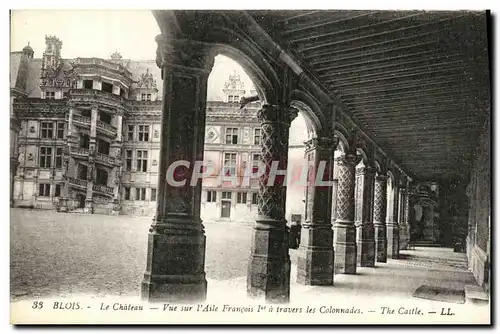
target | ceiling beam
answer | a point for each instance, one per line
(380, 36)
(294, 28)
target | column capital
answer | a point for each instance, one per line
(276, 113)
(348, 159)
(322, 143)
(366, 170)
(183, 52)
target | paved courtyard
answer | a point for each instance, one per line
(61, 254)
(66, 255)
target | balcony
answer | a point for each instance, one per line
(100, 188)
(83, 152)
(81, 121)
(95, 95)
(77, 182)
(104, 158)
(106, 128)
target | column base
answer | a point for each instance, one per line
(315, 255)
(366, 246)
(63, 204)
(89, 206)
(345, 249)
(403, 237)
(366, 253)
(380, 243)
(173, 288)
(175, 262)
(392, 240)
(268, 274)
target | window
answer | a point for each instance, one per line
(231, 135)
(50, 95)
(130, 133)
(47, 130)
(241, 197)
(60, 130)
(255, 162)
(143, 97)
(140, 194)
(236, 98)
(65, 95)
(256, 136)
(143, 132)
(127, 193)
(148, 97)
(226, 195)
(59, 157)
(128, 160)
(44, 189)
(211, 196)
(229, 164)
(88, 84)
(255, 198)
(105, 117)
(45, 157)
(230, 98)
(107, 87)
(142, 161)
(103, 147)
(58, 191)
(153, 194)
(84, 141)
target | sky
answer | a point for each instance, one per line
(99, 33)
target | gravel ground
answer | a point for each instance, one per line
(61, 254)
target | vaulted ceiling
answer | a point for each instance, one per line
(417, 82)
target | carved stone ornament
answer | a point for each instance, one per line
(183, 52)
(30, 157)
(156, 133)
(32, 129)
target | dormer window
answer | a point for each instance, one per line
(88, 84)
(50, 95)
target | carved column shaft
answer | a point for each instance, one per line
(364, 216)
(315, 254)
(269, 267)
(175, 266)
(392, 224)
(379, 216)
(344, 228)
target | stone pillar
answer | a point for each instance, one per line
(379, 215)
(315, 254)
(64, 199)
(89, 207)
(392, 224)
(344, 230)
(365, 238)
(175, 265)
(269, 266)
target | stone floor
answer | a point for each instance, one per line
(67, 255)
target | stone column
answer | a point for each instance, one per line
(315, 254)
(379, 215)
(392, 224)
(269, 266)
(407, 213)
(365, 238)
(175, 265)
(344, 230)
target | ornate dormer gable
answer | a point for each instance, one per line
(147, 80)
(234, 88)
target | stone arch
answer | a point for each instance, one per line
(311, 108)
(305, 110)
(219, 39)
(344, 136)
